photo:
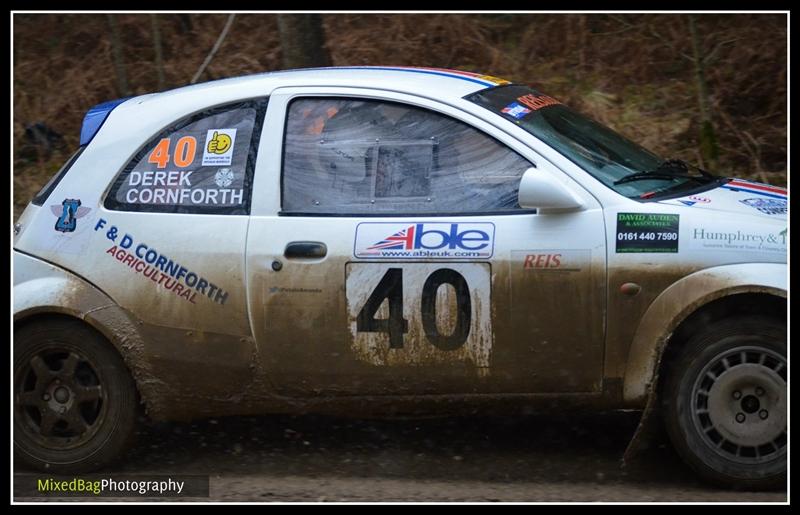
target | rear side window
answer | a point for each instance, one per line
(202, 164)
(347, 156)
(55, 179)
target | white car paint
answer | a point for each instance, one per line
(238, 252)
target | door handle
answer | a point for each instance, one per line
(305, 250)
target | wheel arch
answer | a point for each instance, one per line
(43, 291)
(693, 300)
(689, 301)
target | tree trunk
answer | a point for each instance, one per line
(157, 50)
(116, 55)
(709, 148)
(582, 29)
(186, 23)
(302, 41)
(214, 50)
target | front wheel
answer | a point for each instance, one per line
(75, 403)
(724, 403)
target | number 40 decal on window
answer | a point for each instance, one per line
(420, 313)
(183, 156)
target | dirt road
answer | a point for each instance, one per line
(316, 458)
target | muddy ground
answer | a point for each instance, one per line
(480, 458)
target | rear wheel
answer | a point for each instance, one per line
(725, 405)
(75, 403)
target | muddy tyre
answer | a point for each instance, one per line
(724, 403)
(75, 402)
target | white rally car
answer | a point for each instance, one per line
(393, 240)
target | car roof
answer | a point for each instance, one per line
(138, 118)
(432, 82)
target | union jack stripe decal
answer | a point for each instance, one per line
(401, 240)
(758, 189)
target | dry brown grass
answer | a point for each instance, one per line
(625, 70)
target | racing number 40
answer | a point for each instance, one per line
(390, 287)
(185, 150)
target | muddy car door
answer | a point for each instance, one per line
(387, 254)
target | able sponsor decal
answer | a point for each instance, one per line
(551, 260)
(737, 237)
(166, 273)
(647, 232)
(68, 213)
(219, 147)
(424, 240)
(768, 206)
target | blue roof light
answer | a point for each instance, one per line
(95, 117)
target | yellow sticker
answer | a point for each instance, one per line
(219, 143)
(218, 150)
(498, 81)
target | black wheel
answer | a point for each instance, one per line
(724, 403)
(75, 403)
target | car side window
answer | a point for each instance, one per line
(201, 164)
(347, 156)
